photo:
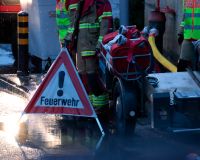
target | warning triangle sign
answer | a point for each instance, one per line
(61, 91)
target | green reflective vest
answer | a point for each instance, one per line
(62, 19)
(191, 19)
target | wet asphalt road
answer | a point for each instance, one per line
(53, 137)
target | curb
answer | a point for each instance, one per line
(11, 87)
(20, 85)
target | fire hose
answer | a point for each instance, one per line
(158, 56)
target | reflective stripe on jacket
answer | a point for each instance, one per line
(94, 23)
(72, 6)
(62, 19)
(191, 21)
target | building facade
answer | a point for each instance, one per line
(115, 8)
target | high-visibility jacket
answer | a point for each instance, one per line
(191, 21)
(95, 21)
(62, 19)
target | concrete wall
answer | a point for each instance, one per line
(115, 8)
(120, 9)
(170, 44)
(43, 38)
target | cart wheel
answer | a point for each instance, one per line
(123, 114)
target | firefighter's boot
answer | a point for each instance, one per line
(100, 101)
(98, 97)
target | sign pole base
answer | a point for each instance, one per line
(100, 127)
(102, 132)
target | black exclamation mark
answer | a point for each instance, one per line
(60, 83)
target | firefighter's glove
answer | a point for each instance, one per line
(98, 47)
(180, 38)
(66, 43)
(63, 45)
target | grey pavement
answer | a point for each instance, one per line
(145, 142)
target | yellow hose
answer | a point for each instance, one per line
(160, 58)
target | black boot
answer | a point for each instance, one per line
(182, 65)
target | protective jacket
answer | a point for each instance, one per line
(191, 21)
(94, 22)
(62, 19)
(72, 6)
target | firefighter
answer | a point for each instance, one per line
(92, 21)
(62, 20)
(189, 32)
